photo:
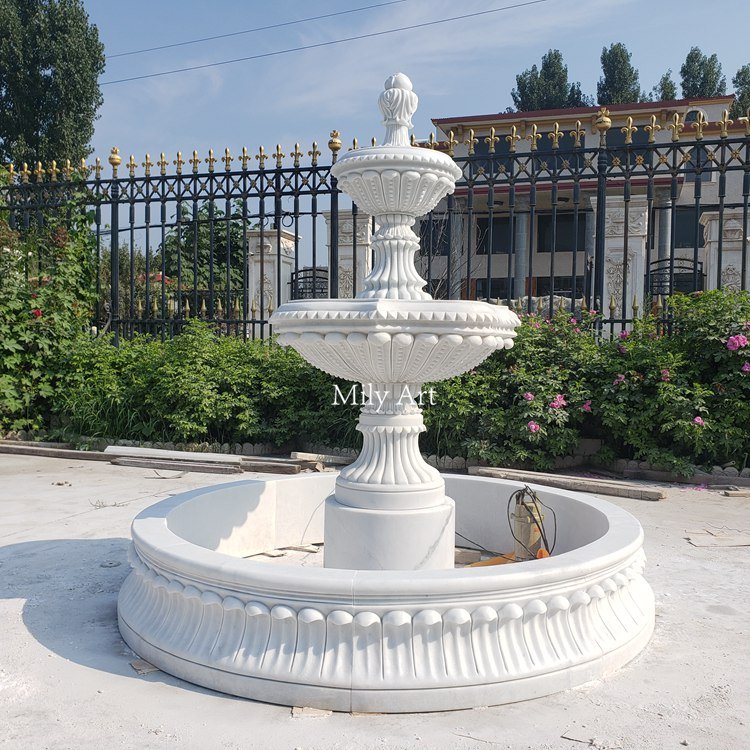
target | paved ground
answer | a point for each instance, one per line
(66, 679)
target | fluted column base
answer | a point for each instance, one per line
(364, 539)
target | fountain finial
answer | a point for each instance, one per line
(398, 103)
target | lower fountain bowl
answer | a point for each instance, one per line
(200, 604)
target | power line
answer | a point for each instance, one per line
(323, 44)
(258, 28)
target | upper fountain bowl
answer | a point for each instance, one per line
(396, 179)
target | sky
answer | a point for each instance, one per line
(458, 68)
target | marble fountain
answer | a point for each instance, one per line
(387, 624)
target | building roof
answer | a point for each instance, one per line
(573, 113)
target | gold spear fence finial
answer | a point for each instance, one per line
(132, 164)
(513, 138)
(179, 162)
(244, 158)
(296, 154)
(335, 144)
(114, 161)
(431, 141)
(577, 134)
(98, 169)
(676, 126)
(354, 146)
(278, 155)
(413, 140)
(602, 124)
(471, 141)
(148, 164)
(533, 137)
(11, 173)
(699, 125)
(67, 170)
(652, 129)
(53, 171)
(261, 157)
(314, 153)
(724, 124)
(195, 161)
(628, 130)
(745, 121)
(211, 160)
(491, 140)
(373, 141)
(452, 143)
(163, 163)
(555, 136)
(39, 172)
(227, 159)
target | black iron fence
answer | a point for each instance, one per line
(540, 222)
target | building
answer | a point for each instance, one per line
(524, 220)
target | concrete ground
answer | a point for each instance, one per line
(66, 679)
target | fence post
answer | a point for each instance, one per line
(114, 253)
(333, 259)
(602, 125)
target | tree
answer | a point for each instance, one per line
(547, 87)
(665, 90)
(50, 62)
(619, 84)
(701, 76)
(741, 83)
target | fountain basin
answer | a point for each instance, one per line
(395, 341)
(394, 641)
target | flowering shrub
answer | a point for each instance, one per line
(42, 316)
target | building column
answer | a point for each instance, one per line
(664, 209)
(348, 277)
(521, 248)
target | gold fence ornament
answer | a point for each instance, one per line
(628, 130)
(652, 129)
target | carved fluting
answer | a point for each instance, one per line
(393, 357)
(390, 455)
(402, 648)
(393, 274)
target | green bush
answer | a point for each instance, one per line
(46, 298)
(200, 387)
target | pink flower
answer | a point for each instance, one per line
(535, 325)
(573, 321)
(736, 342)
(558, 401)
(621, 349)
(618, 380)
(665, 375)
(624, 334)
(36, 312)
(747, 325)
(533, 426)
(593, 312)
(577, 330)
(586, 405)
(699, 421)
(528, 396)
(746, 367)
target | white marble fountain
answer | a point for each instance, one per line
(388, 623)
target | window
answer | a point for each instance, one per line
(501, 240)
(566, 239)
(563, 286)
(433, 236)
(498, 288)
(684, 228)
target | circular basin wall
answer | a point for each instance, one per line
(393, 641)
